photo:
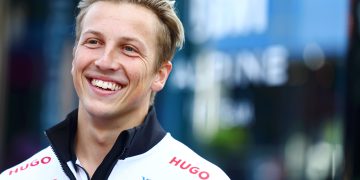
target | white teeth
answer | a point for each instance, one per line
(105, 85)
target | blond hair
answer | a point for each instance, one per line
(170, 31)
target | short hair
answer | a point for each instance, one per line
(170, 33)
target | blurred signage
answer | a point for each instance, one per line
(252, 42)
(235, 24)
(219, 18)
(268, 67)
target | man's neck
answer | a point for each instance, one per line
(95, 137)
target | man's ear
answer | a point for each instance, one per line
(161, 76)
(72, 67)
(73, 59)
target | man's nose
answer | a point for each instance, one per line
(108, 61)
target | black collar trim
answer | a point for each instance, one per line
(131, 142)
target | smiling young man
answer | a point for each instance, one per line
(122, 57)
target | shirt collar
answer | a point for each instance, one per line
(130, 142)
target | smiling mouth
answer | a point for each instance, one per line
(105, 85)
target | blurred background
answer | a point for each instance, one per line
(265, 89)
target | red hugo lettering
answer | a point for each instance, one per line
(44, 160)
(192, 169)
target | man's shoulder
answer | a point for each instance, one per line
(37, 165)
(183, 157)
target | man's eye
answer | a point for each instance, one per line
(129, 49)
(92, 43)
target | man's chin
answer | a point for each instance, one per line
(101, 111)
(103, 114)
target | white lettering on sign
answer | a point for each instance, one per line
(218, 18)
(268, 67)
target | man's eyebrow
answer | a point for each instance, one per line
(124, 38)
(97, 33)
(133, 39)
(136, 40)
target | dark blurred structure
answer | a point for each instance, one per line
(3, 72)
(37, 82)
(266, 89)
(352, 135)
(24, 82)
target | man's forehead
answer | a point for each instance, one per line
(121, 10)
(120, 17)
(125, 19)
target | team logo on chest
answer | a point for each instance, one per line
(190, 168)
